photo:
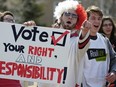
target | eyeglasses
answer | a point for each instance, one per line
(70, 14)
(9, 20)
(105, 25)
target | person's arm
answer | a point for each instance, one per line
(84, 38)
(112, 58)
(29, 23)
(111, 77)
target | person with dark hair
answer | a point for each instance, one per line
(8, 16)
(98, 65)
(108, 29)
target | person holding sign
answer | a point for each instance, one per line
(8, 16)
(70, 15)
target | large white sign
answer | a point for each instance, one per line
(33, 53)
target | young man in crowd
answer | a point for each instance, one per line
(70, 15)
(98, 66)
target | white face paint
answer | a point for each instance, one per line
(69, 20)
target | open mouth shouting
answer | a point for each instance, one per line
(96, 26)
(68, 22)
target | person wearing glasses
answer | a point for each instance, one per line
(8, 16)
(71, 15)
(108, 29)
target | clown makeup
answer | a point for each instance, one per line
(69, 20)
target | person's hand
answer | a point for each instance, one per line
(86, 26)
(113, 45)
(30, 23)
(55, 25)
(111, 77)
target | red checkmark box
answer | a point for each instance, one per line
(56, 40)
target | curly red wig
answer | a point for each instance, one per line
(82, 15)
(71, 5)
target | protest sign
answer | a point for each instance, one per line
(33, 53)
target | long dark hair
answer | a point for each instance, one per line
(112, 35)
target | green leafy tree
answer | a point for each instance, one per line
(31, 11)
(112, 10)
(3, 7)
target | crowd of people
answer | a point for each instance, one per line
(92, 55)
